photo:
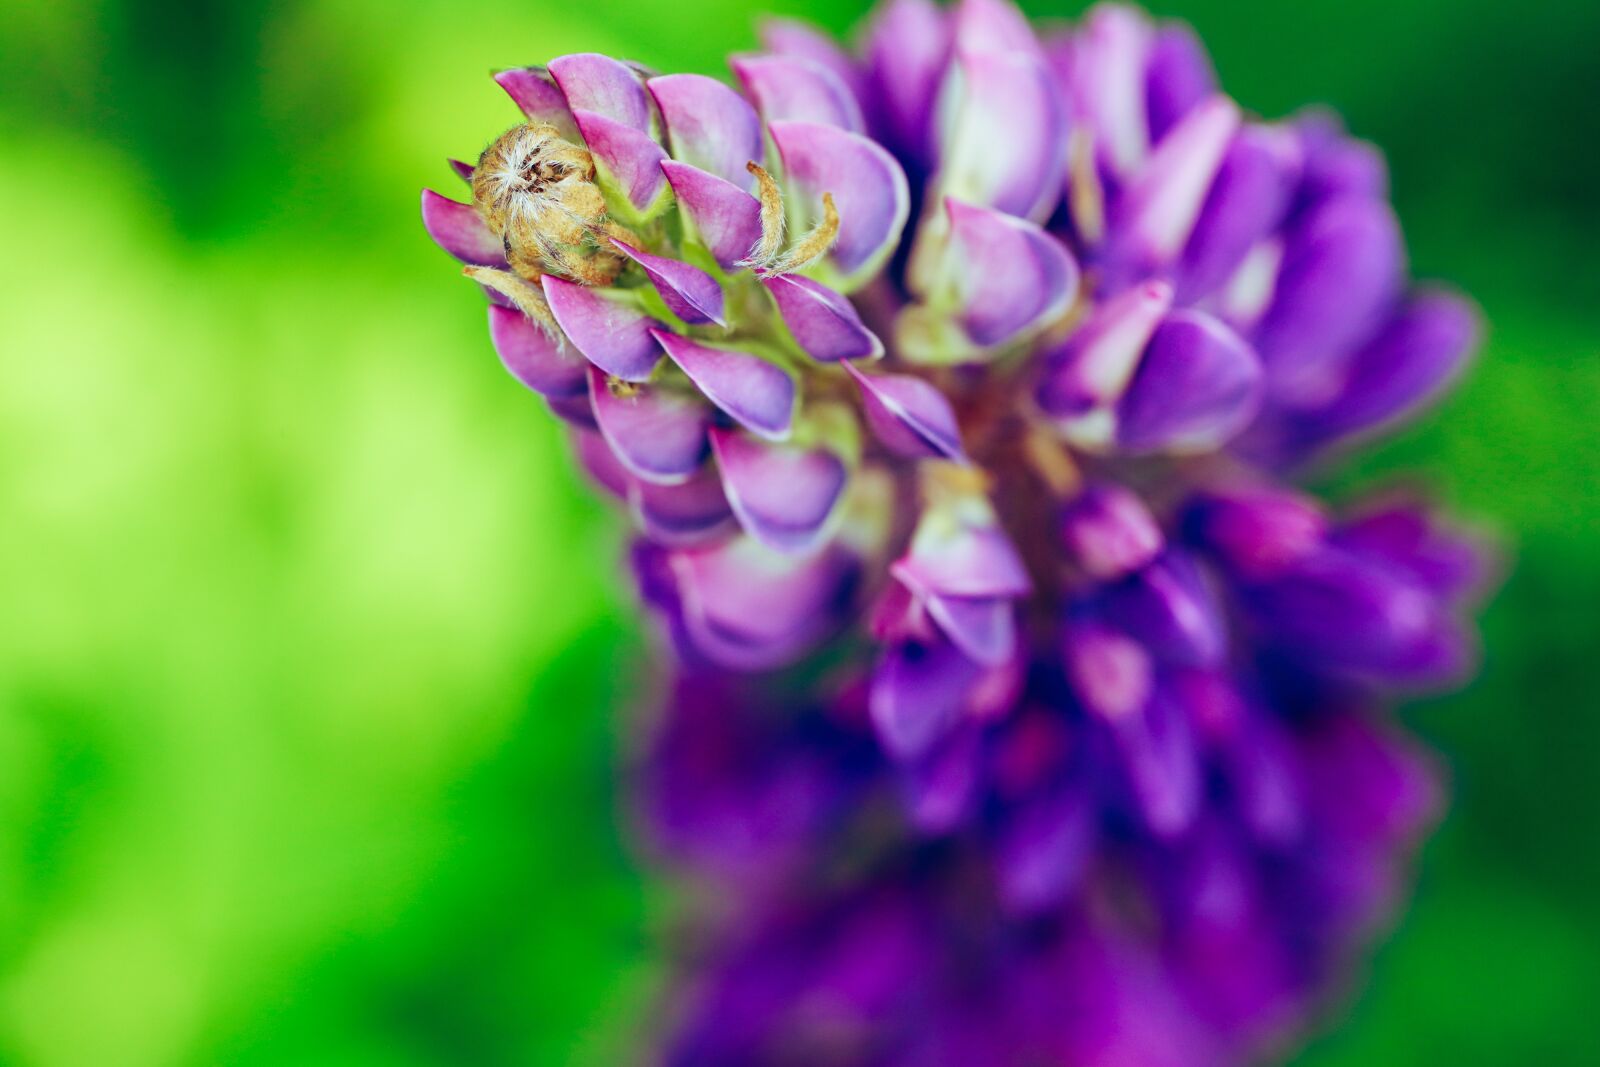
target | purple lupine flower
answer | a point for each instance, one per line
(952, 384)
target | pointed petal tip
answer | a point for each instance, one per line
(459, 230)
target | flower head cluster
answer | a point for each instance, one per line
(950, 384)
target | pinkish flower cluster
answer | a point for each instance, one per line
(950, 384)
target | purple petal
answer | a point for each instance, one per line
(727, 219)
(1198, 385)
(1168, 607)
(782, 494)
(993, 26)
(757, 394)
(984, 629)
(1419, 351)
(1108, 531)
(939, 788)
(689, 292)
(788, 37)
(1254, 755)
(462, 170)
(1341, 274)
(1177, 77)
(1096, 364)
(794, 88)
(1006, 144)
(658, 433)
(869, 188)
(679, 515)
(1157, 213)
(457, 228)
(536, 93)
(574, 411)
(612, 334)
(1012, 275)
(601, 463)
(824, 324)
(908, 48)
(1045, 847)
(1162, 761)
(631, 159)
(750, 608)
(603, 86)
(1405, 533)
(709, 125)
(1336, 164)
(910, 416)
(533, 357)
(1248, 200)
(1108, 81)
(1342, 612)
(959, 558)
(918, 696)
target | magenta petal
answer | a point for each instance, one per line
(533, 357)
(868, 187)
(1006, 145)
(680, 515)
(1198, 385)
(630, 156)
(690, 293)
(1109, 672)
(612, 335)
(536, 93)
(727, 218)
(659, 434)
(709, 125)
(756, 394)
(822, 321)
(1108, 531)
(799, 89)
(457, 228)
(1012, 275)
(910, 416)
(782, 494)
(603, 86)
(461, 169)
(984, 628)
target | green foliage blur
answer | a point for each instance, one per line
(310, 639)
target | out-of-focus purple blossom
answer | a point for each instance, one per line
(952, 384)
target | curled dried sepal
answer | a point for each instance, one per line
(537, 194)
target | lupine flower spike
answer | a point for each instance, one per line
(952, 384)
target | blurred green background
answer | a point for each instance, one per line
(308, 632)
